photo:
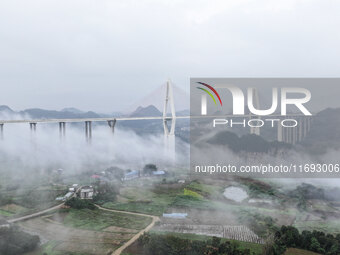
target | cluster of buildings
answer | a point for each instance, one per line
(130, 175)
(87, 192)
(82, 192)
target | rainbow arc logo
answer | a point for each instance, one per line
(209, 93)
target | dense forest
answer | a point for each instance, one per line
(171, 245)
(286, 237)
(315, 241)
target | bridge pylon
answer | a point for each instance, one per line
(256, 102)
(169, 135)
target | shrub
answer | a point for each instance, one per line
(188, 192)
(78, 203)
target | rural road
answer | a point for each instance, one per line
(134, 238)
(33, 215)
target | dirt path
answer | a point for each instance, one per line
(134, 238)
(33, 215)
(120, 249)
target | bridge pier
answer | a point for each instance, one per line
(112, 124)
(33, 127)
(279, 132)
(1, 131)
(290, 135)
(296, 134)
(255, 130)
(256, 102)
(88, 131)
(62, 130)
(294, 131)
(300, 133)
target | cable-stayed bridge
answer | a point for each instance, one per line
(284, 134)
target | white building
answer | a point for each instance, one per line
(158, 173)
(86, 192)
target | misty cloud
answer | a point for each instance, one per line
(103, 56)
(21, 151)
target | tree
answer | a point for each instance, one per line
(78, 203)
(115, 172)
(149, 168)
(315, 245)
(107, 192)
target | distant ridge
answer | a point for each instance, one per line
(37, 113)
(72, 109)
(149, 111)
(5, 108)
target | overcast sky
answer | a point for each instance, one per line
(105, 55)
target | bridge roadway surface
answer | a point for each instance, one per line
(141, 118)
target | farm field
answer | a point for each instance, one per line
(254, 247)
(198, 199)
(27, 200)
(294, 251)
(90, 232)
(98, 219)
(12, 209)
(327, 226)
(146, 199)
(240, 233)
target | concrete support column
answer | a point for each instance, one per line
(309, 120)
(88, 131)
(112, 124)
(33, 127)
(289, 135)
(294, 130)
(1, 131)
(284, 131)
(254, 130)
(62, 130)
(279, 132)
(300, 127)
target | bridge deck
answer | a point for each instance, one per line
(141, 118)
(86, 119)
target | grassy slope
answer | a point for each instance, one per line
(99, 220)
(330, 226)
(294, 251)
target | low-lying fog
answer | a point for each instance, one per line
(21, 150)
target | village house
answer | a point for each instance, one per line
(86, 192)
